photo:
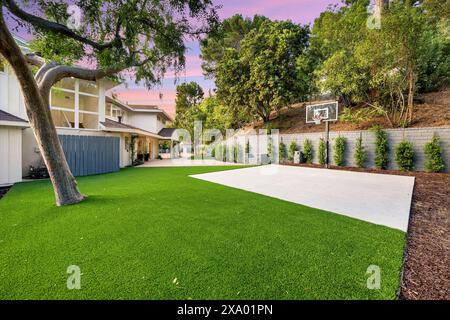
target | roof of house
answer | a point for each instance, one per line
(167, 132)
(9, 119)
(138, 108)
(150, 108)
(111, 125)
(143, 107)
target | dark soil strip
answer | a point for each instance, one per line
(426, 270)
(3, 191)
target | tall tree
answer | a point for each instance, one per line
(262, 76)
(228, 35)
(143, 37)
(335, 35)
(188, 97)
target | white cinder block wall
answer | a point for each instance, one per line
(417, 136)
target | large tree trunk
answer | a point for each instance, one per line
(38, 111)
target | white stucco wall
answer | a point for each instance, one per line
(10, 155)
(146, 121)
(11, 99)
(125, 154)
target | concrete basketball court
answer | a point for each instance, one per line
(377, 198)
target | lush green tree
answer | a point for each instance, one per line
(217, 116)
(261, 77)
(392, 54)
(334, 37)
(382, 67)
(145, 38)
(228, 35)
(436, 10)
(188, 95)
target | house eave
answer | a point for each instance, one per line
(19, 124)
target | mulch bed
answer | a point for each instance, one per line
(426, 269)
(3, 191)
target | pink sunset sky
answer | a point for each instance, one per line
(299, 11)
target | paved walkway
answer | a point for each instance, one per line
(185, 163)
(377, 198)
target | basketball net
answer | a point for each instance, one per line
(317, 118)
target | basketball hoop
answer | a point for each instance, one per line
(317, 118)
(324, 112)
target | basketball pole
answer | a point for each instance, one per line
(327, 143)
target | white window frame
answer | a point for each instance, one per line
(111, 111)
(76, 109)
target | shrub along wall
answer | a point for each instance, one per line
(417, 136)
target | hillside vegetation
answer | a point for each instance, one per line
(431, 110)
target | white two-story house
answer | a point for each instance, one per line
(98, 133)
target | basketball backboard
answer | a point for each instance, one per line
(322, 112)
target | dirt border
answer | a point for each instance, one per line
(425, 272)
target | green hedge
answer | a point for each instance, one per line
(322, 152)
(360, 153)
(381, 148)
(339, 151)
(404, 156)
(292, 149)
(308, 151)
(433, 155)
(282, 152)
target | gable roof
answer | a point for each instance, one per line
(167, 132)
(143, 107)
(138, 108)
(11, 120)
(111, 125)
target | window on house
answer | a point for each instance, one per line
(62, 99)
(66, 84)
(89, 87)
(88, 103)
(88, 121)
(63, 119)
(72, 108)
(117, 113)
(108, 110)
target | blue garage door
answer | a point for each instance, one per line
(88, 155)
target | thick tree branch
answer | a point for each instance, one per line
(34, 59)
(57, 27)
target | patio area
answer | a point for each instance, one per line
(183, 162)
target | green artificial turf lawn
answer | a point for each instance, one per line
(140, 229)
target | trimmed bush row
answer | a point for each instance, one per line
(404, 153)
